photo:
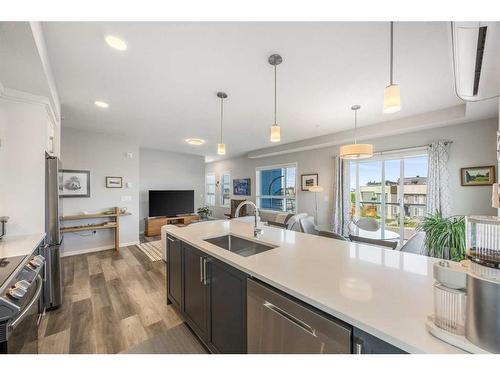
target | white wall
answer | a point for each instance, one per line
(23, 136)
(473, 145)
(104, 155)
(169, 170)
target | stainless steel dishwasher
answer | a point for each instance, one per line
(280, 324)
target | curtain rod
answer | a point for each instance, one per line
(408, 148)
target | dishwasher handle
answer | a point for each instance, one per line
(306, 327)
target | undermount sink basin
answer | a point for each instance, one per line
(239, 245)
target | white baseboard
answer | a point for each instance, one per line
(95, 249)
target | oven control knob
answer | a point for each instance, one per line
(36, 263)
(17, 293)
(23, 284)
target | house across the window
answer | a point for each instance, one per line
(276, 188)
(398, 203)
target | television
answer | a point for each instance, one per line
(171, 202)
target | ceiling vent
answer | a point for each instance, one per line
(476, 58)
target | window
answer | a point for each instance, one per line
(225, 189)
(210, 190)
(392, 190)
(276, 188)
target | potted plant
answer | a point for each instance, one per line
(204, 212)
(444, 236)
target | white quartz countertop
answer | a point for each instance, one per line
(386, 293)
(11, 246)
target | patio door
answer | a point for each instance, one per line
(391, 190)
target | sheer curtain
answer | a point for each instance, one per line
(438, 184)
(341, 197)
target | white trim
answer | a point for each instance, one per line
(95, 249)
(26, 97)
(276, 166)
(284, 165)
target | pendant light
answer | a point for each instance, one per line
(275, 60)
(221, 147)
(356, 150)
(392, 95)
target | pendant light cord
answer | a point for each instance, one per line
(355, 125)
(221, 116)
(275, 95)
(392, 51)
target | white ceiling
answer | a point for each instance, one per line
(163, 88)
(20, 65)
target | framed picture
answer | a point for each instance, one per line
(477, 176)
(75, 183)
(309, 180)
(241, 186)
(114, 182)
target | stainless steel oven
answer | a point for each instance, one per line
(20, 312)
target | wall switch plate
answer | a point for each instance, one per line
(126, 198)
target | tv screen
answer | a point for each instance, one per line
(170, 202)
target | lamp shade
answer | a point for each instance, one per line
(316, 189)
(275, 133)
(356, 151)
(392, 99)
(221, 149)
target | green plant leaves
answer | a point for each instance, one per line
(444, 237)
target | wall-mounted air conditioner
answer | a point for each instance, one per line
(476, 59)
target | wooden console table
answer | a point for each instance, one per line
(114, 224)
(154, 224)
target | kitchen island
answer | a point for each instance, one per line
(386, 293)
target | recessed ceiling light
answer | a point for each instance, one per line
(195, 141)
(101, 104)
(115, 42)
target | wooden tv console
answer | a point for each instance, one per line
(154, 224)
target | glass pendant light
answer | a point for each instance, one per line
(356, 150)
(392, 95)
(275, 60)
(221, 147)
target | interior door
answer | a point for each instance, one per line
(195, 291)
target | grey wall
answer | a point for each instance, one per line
(169, 170)
(104, 155)
(473, 145)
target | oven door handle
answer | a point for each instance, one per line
(19, 319)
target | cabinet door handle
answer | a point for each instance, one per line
(201, 270)
(205, 280)
(358, 348)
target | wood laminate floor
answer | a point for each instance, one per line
(113, 300)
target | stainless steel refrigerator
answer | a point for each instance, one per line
(53, 239)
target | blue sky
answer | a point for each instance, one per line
(372, 170)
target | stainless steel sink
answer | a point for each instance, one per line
(239, 245)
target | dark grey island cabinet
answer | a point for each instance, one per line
(174, 271)
(212, 298)
(210, 295)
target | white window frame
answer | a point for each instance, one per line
(221, 195)
(258, 196)
(401, 156)
(207, 194)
